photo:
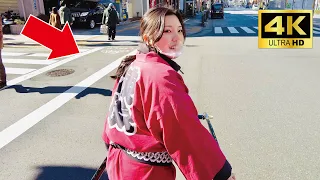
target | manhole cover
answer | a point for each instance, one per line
(60, 72)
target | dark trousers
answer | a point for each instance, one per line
(112, 32)
(3, 77)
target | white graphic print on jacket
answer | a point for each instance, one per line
(120, 115)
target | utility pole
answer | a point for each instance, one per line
(141, 8)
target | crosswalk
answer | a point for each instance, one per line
(20, 63)
(246, 31)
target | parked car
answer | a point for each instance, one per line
(87, 12)
(217, 10)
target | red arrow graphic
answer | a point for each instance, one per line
(61, 42)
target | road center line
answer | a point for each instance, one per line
(21, 126)
(49, 67)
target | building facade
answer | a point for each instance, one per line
(23, 7)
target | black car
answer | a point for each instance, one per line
(87, 12)
(217, 10)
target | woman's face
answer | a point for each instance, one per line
(172, 38)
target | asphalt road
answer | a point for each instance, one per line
(264, 102)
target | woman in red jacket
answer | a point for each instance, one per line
(152, 120)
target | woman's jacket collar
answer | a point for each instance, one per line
(143, 48)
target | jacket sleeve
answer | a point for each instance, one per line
(174, 121)
(103, 17)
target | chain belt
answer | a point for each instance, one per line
(151, 158)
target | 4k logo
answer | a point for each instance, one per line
(285, 29)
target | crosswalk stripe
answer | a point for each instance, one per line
(247, 30)
(218, 30)
(316, 30)
(233, 30)
(83, 50)
(28, 61)
(18, 70)
(47, 54)
(39, 55)
(12, 53)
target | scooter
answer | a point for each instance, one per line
(204, 116)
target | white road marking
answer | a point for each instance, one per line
(218, 30)
(51, 66)
(19, 127)
(241, 12)
(18, 70)
(233, 30)
(84, 37)
(316, 30)
(28, 61)
(47, 54)
(247, 30)
(3, 53)
(39, 55)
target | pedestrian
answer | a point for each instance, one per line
(152, 120)
(3, 78)
(55, 18)
(111, 19)
(65, 14)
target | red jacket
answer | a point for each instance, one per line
(152, 112)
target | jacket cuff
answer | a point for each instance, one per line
(224, 173)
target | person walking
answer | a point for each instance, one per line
(110, 18)
(55, 18)
(65, 14)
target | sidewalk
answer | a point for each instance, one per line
(193, 26)
(10, 40)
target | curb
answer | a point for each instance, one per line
(194, 29)
(127, 22)
(20, 45)
(26, 45)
